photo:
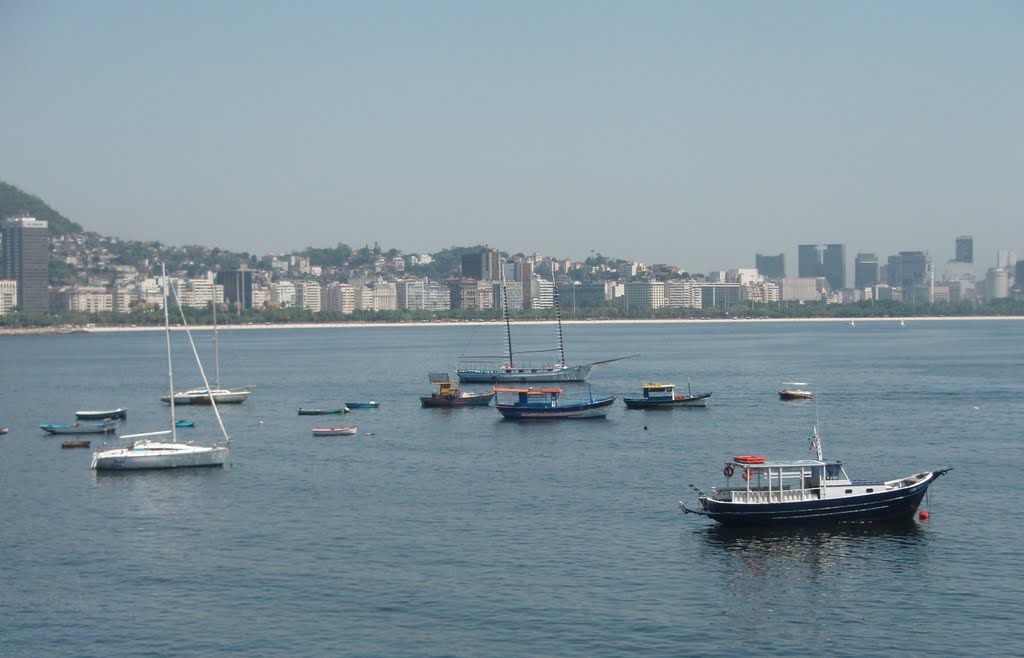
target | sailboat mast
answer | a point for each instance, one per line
(508, 323)
(170, 367)
(216, 352)
(558, 317)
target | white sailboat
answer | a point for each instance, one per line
(203, 395)
(146, 453)
(475, 369)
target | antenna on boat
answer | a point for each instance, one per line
(816, 436)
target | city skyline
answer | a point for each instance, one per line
(680, 132)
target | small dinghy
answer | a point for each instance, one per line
(347, 430)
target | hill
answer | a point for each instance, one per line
(15, 202)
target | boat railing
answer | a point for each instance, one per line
(766, 495)
(492, 364)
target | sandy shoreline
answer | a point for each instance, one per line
(36, 331)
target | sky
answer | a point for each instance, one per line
(690, 133)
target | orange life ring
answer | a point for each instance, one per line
(749, 459)
(748, 475)
(728, 472)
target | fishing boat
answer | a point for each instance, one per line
(372, 404)
(346, 430)
(808, 491)
(663, 396)
(120, 412)
(795, 393)
(323, 412)
(148, 453)
(204, 395)
(103, 427)
(484, 369)
(448, 394)
(544, 403)
(76, 444)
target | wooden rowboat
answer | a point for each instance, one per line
(347, 430)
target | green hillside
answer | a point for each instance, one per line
(15, 202)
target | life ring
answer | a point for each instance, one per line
(749, 459)
(728, 472)
(748, 475)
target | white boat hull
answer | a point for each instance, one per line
(222, 396)
(525, 375)
(335, 431)
(146, 455)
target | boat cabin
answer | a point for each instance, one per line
(788, 481)
(658, 392)
(533, 397)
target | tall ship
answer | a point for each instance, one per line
(512, 368)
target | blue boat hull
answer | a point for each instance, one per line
(699, 400)
(573, 410)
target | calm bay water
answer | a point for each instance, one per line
(456, 533)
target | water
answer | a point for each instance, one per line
(451, 532)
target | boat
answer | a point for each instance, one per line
(484, 369)
(103, 427)
(448, 394)
(795, 393)
(323, 412)
(853, 323)
(3, 430)
(663, 396)
(808, 491)
(346, 430)
(184, 423)
(543, 403)
(120, 412)
(372, 404)
(203, 395)
(149, 453)
(76, 444)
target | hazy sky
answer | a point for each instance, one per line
(692, 133)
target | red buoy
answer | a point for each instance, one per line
(923, 515)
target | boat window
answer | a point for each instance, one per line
(849, 491)
(871, 491)
(833, 472)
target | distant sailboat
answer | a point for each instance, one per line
(514, 370)
(203, 395)
(902, 323)
(852, 323)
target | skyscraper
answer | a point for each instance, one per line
(865, 271)
(771, 267)
(965, 249)
(237, 286)
(827, 260)
(911, 271)
(26, 259)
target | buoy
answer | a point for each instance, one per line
(645, 427)
(923, 515)
(261, 422)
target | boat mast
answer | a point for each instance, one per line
(508, 323)
(216, 352)
(558, 317)
(170, 367)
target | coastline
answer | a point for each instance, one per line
(42, 331)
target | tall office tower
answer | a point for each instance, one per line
(827, 260)
(865, 271)
(237, 286)
(965, 249)
(25, 257)
(911, 271)
(771, 267)
(482, 265)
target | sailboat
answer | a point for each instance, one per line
(147, 452)
(513, 370)
(203, 395)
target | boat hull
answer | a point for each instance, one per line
(121, 413)
(321, 412)
(351, 430)
(525, 375)
(699, 400)
(362, 405)
(890, 505)
(572, 411)
(482, 400)
(159, 456)
(203, 397)
(79, 429)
